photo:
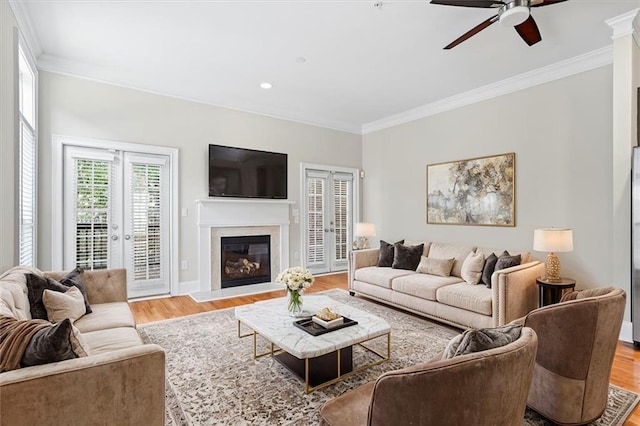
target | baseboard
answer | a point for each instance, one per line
(626, 332)
(187, 287)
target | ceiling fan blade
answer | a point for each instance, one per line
(475, 30)
(529, 31)
(470, 3)
(539, 3)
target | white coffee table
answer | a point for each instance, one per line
(319, 360)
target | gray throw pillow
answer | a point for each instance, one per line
(483, 339)
(385, 256)
(76, 278)
(489, 267)
(50, 344)
(36, 285)
(407, 257)
(507, 261)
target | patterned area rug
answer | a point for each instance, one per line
(213, 379)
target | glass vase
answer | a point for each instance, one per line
(294, 302)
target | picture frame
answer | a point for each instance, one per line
(476, 191)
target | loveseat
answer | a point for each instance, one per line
(512, 293)
(120, 382)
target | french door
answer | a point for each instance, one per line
(329, 213)
(116, 215)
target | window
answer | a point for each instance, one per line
(27, 148)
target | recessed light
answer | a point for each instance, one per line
(266, 85)
(301, 59)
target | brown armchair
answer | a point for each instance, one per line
(577, 340)
(482, 388)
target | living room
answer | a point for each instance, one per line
(569, 115)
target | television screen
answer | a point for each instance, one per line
(239, 172)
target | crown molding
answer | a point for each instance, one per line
(26, 27)
(576, 65)
(625, 24)
(99, 74)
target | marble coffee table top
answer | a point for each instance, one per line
(271, 320)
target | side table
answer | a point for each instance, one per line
(551, 292)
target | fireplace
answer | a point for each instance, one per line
(245, 260)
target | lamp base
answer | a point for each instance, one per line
(552, 268)
(360, 243)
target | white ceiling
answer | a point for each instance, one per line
(362, 63)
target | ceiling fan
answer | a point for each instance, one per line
(511, 13)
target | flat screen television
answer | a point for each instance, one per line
(246, 173)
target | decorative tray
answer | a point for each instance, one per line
(314, 329)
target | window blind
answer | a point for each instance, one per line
(26, 193)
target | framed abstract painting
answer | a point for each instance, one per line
(477, 191)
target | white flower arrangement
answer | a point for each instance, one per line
(295, 279)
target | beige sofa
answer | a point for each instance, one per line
(451, 300)
(120, 382)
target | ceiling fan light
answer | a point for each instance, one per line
(514, 16)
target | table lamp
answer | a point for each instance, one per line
(363, 231)
(553, 240)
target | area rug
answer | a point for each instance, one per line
(213, 379)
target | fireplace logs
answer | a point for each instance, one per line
(241, 268)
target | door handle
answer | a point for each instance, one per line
(127, 237)
(326, 230)
(331, 230)
(114, 237)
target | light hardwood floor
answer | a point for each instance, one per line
(626, 365)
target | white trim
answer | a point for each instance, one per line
(624, 25)
(303, 201)
(187, 287)
(57, 241)
(626, 332)
(99, 74)
(26, 27)
(576, 65)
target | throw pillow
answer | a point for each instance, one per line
(385, 258)
(472, 268)
(489, 267)
(507, 261)
(63, 305)
(482, 339)
(36, 286)
(434, 266)
(406, 257)
(76, 278)
(51, 344)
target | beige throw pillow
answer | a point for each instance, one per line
(434, 266)
(472, 268)
(64, 305)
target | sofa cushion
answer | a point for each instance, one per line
(36, 286)
(472, 268)
(433, 266)
(475, 298)
(380, 276)
(61, 306)
(102, 341)
(52, 344)
(505, 260)
(426, 244)
(525, 256)
(14, 299)
(406, 257)
(105, 316)
(386, 252)
(422, 285)
(489, 267)
(75, 278)
(471, 341)
(445, 251)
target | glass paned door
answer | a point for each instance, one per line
(329, 219)
(116, 215)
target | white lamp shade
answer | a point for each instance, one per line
(553, 240)
(363, 229)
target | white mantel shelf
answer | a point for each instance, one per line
(251, 213)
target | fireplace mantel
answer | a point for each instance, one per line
(238, 213)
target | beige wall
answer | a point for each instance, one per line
(561, 133)
(7, 137)
(76, 107)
